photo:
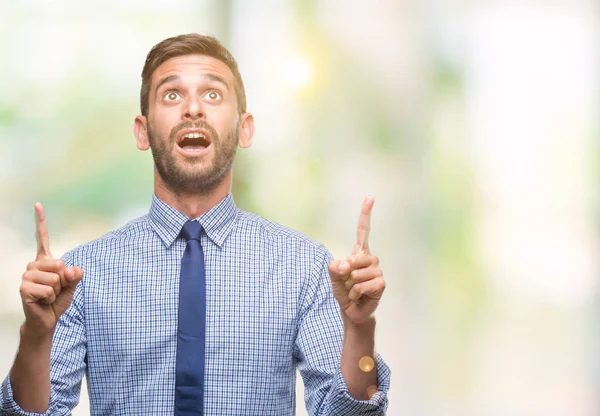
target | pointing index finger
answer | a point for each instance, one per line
(41, 232)
(364, 226)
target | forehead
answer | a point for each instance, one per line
(192, 65)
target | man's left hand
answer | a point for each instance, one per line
(358, 281)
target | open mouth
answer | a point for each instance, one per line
(194, 143)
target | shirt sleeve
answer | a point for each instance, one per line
(67, 362)
(318, 353)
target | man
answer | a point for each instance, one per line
(198, 307)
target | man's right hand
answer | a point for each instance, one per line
(48, 285)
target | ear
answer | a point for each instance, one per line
(140, 131)
(246, 130)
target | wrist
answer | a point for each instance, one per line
(34, 335)
(366, 327)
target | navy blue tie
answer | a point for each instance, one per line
(189, 367)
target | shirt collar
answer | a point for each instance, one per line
(216, 222)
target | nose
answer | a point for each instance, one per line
(193, 109)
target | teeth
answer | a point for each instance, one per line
(193, 136)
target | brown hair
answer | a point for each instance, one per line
(189, 44)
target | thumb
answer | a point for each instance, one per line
(339, 269)
(73, 275)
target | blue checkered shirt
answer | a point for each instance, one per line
(270, 311)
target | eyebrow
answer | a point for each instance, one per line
(165, 80)
(216, 78)
(210, 76)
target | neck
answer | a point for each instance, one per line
(192, 205)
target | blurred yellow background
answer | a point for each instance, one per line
(473, 123)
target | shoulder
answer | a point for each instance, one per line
(134, 231)
(254, 226)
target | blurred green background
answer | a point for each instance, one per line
(473, 123)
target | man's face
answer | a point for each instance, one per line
(193, 125)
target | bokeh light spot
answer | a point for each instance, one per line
(366, 364)
(371, 390)
(299, 72)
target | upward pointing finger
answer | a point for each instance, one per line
(41, 232)
(364, 226)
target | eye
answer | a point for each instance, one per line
(171, 95)
(213, 95)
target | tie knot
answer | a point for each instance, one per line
(191, 230)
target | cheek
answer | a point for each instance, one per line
(224, 123)
(163, 122)
(163, 117)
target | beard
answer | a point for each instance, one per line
(193, 175)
